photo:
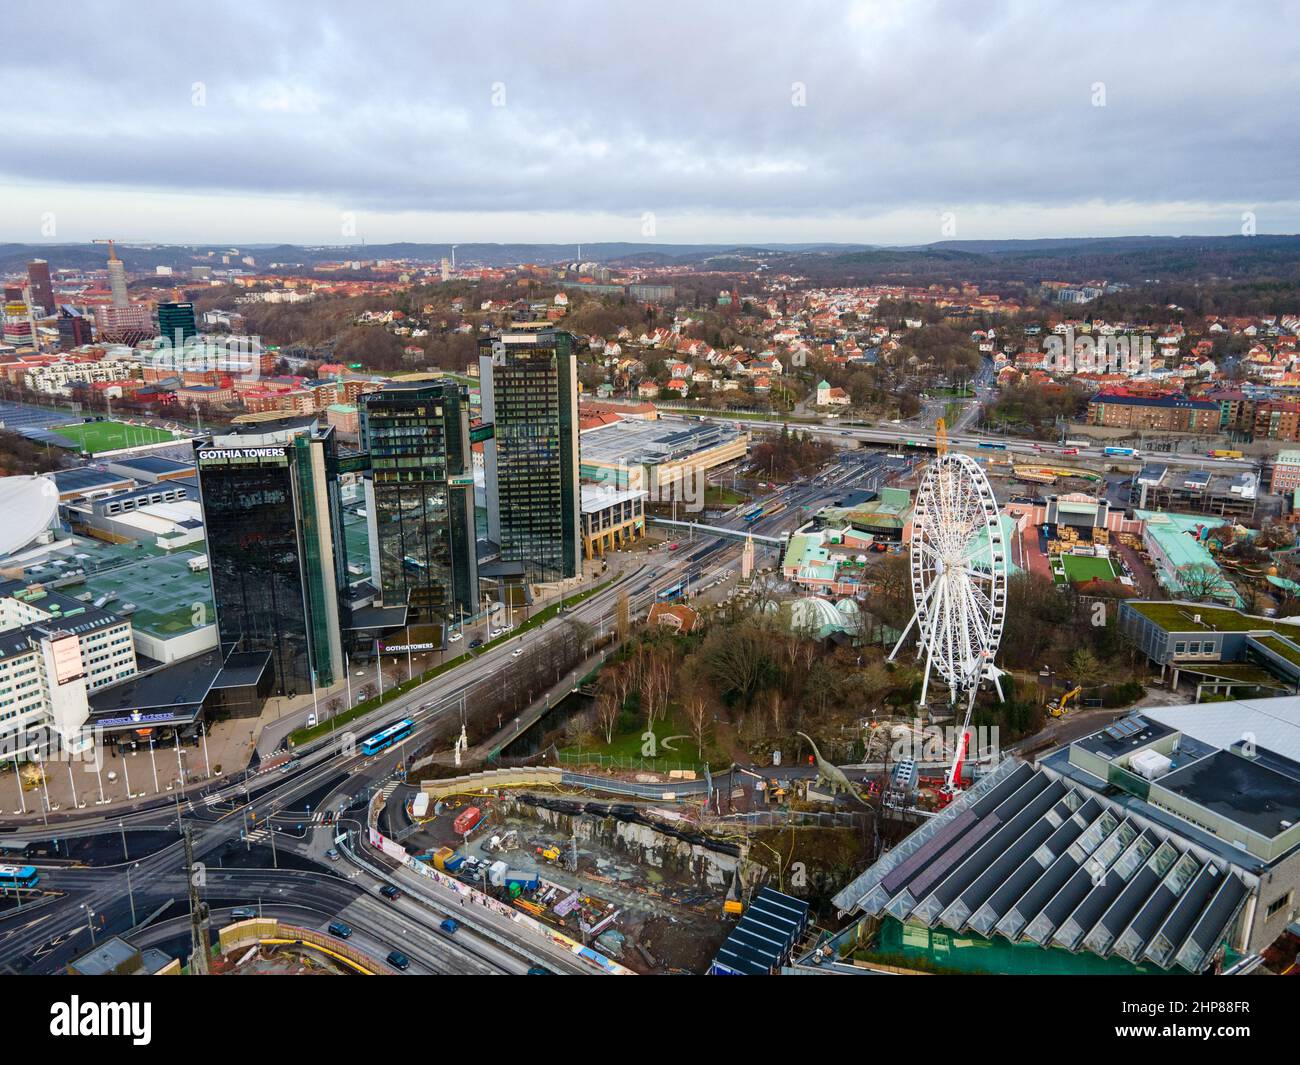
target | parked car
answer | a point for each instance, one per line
(398, 960)
(311, 719)
(391, 893)
(338, 928)
(242, 913)
(495, 633)
(476, 642)
(449, 926)
(454, 637)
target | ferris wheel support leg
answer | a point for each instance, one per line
(934, 635)
(899, 646)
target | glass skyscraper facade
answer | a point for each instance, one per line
(276, 554)
(529, 383)
(420, 498)
(176, 322)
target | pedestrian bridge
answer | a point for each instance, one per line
(719, 530)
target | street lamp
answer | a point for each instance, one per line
(90, 922)
(130, 891)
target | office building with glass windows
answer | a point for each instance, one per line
(176, 323)
(528, 379)
(276, 552)
(420, 498)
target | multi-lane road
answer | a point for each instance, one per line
(329, 777)
(899, 435)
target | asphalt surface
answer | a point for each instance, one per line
(287, 807)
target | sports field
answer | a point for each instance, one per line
(111, 436)
(1080, 568)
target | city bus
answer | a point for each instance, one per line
(18, 876)
(1125, 451)
(672, 592)
(992, 447)
(387, 736)
(752, 515)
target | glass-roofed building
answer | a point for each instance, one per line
(1161, 843)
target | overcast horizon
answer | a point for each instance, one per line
(869, 123)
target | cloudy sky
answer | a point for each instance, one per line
(878, 121)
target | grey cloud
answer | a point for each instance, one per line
(666, 107)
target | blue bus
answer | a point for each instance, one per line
(1120, 451)
(672, 592)
(387, 736)
(753, 515)
(993, 447)
(18, 876)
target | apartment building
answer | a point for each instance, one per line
(1167, 413)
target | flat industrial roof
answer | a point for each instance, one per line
(87, 479)
(151, 464)
(636, 441)
(1244, 791)
(1273, 723)
(166, 593)
(598, 497)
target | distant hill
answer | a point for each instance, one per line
(1132, 259)
(147, 257)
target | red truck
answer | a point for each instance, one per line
(467, 820)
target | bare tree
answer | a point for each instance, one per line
(698, 712)
(738, 660)
(607, 711)
(1201, 582)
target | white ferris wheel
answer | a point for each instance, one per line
(959, 577)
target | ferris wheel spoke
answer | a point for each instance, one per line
(958, 573)
(985, 603)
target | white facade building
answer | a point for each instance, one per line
(55, 651)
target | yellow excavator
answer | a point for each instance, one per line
(1060, 707)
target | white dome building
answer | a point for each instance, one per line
(817, 616)
(29, 506)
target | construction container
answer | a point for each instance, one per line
(467, 820)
